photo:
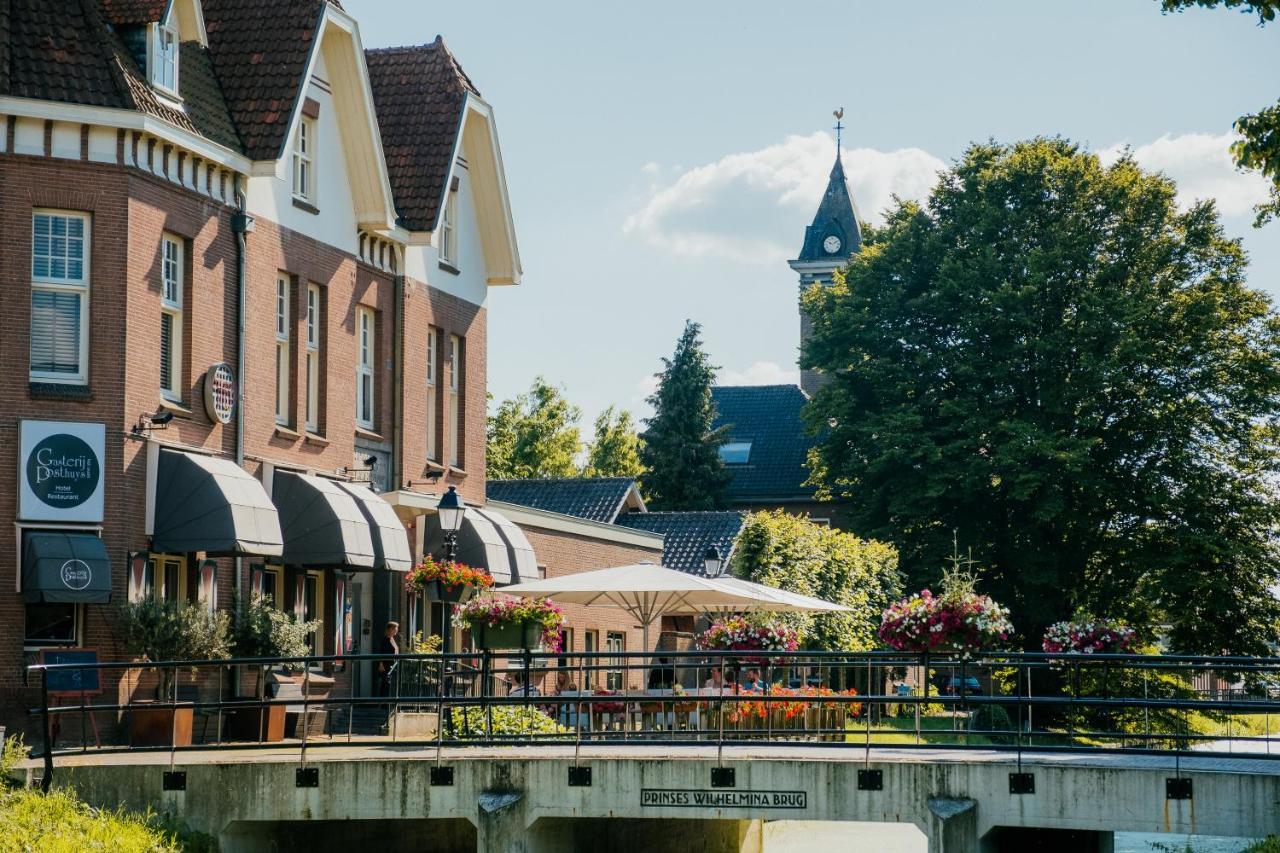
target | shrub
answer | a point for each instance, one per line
(262, 631)
(993, 719)
(58, 821)
(1271, 844)
(508, 720)
(165, 630)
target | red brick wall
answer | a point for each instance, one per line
(131, 210)
(566, 554)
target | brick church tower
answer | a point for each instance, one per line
(829, 242)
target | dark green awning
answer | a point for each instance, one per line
(322, 524)
(390, 540)
(204, 503)
(60, 568)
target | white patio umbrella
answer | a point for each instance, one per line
(779, 600)
(648, 592)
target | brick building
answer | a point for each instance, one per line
(247, 267)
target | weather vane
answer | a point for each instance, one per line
(839, 114)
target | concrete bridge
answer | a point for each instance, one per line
(679, 798)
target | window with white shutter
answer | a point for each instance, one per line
(313, 358)
(59, 297)
(364, 367)
(455, 414)
(433, 364)
(282, 349)
(171, 318)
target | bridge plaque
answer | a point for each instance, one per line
(700, 799)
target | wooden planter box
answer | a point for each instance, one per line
(160, 726)
(255, 724)
(513, 635)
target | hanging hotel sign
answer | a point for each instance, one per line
(60, 471)
(220, 393)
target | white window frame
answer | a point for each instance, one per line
(433, 365)
(164, 62)
(314, 315)
(455, 419)
(283, 286)
(449, 229)
(365, 358)
(65, 285)
(171, 301)
(304, 160)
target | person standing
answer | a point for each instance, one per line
(390, 647)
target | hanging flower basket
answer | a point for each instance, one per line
(744, 634)
(451, 582)
(1094, 636)
(962, 623)
(500, 622)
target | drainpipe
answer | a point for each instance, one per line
(241, 226)
(397, 396)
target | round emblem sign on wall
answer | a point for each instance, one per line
(62, 471)
(76, 574)
(220, 393)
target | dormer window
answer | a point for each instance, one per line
(164, 58)
(304, 173)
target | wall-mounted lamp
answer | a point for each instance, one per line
(428, 479)
(148, 421)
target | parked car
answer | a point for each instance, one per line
(955, 686)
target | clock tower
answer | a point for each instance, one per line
(828, 243)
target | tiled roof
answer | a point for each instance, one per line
(122, 13)
(260, 59)
(203, 96)
(592, 498)
(687, 535)
(65, 51)
(768, 416)
(419, 94)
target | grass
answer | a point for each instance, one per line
(58, 822)
(902, 730)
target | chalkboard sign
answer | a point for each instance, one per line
(72, 681)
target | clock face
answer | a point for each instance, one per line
(831, 244)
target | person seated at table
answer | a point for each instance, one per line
(564, 682)
(663, 675)
(722, 680)
(523, 688)
(751, 682)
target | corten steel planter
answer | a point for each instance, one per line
(162, 725)
(511, 635)
(261, 725)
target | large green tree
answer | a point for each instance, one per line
(681, 452)
(534, 434)
(1054, 361)
(793, 553)
(1259, 143)
(615, 449)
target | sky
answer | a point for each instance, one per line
(663, 158)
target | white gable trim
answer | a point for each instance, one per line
(190, 26)
(477, 141)
(357, 122)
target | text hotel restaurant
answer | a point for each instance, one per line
(202, 200)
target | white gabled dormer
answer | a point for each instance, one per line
(329, 181)
(183, 21)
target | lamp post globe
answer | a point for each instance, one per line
(451, 508)
(712, 562)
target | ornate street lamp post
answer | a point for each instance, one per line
(450, 510)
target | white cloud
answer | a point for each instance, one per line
(760, 373)
(752, 207)
(1201, 165)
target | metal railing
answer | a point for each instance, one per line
(868, 700)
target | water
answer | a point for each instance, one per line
(806, 836)
(1144, 842)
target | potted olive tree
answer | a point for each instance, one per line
(161, 631)
(263, 631)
